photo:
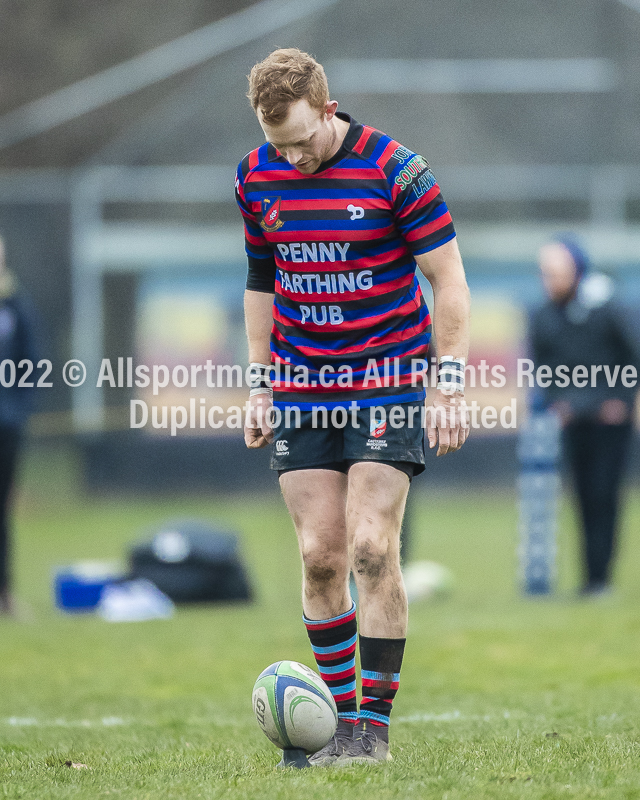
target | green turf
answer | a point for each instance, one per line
(500, 697)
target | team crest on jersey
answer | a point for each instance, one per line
(271, 214)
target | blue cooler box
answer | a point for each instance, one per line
(78, 587)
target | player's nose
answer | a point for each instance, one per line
(294, 156)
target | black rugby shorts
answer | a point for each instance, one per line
(336, 438)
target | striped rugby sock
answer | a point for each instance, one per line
(380, 663)
(333, 642)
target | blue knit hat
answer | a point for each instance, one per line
(577, 252)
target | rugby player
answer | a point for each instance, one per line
(337, 215)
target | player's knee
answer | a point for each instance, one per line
(380, 521)
(323, 567)
(371, 559)
(320, 574)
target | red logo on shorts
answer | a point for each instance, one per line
(377, 428)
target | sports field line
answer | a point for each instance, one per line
(109, 722)
(456, 716)
(113, 722)
(32, 722)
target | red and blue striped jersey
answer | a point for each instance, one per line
(348, 314)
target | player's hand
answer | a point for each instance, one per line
(447, 421)
(257, 430)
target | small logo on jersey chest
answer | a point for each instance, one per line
(271, 214)
(357, 212)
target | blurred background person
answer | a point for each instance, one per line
(16, 346)
(582, 323)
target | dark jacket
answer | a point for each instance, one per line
(17, 343)
(594, 328)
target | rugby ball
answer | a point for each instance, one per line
(294, 707)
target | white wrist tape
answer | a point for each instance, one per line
(451, 374)
(258, 390)
(259, 378)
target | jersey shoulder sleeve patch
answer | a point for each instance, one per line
(408, 172)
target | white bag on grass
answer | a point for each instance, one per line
(134, 601)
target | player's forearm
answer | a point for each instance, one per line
(444, 270)
(451, 319)
(258, 317)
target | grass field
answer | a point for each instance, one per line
(500, 697)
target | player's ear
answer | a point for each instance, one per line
(330, 109)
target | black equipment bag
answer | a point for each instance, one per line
(192, 563)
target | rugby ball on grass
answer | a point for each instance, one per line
(294, 707)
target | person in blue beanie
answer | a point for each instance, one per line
(587, 338)
(16, 346)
